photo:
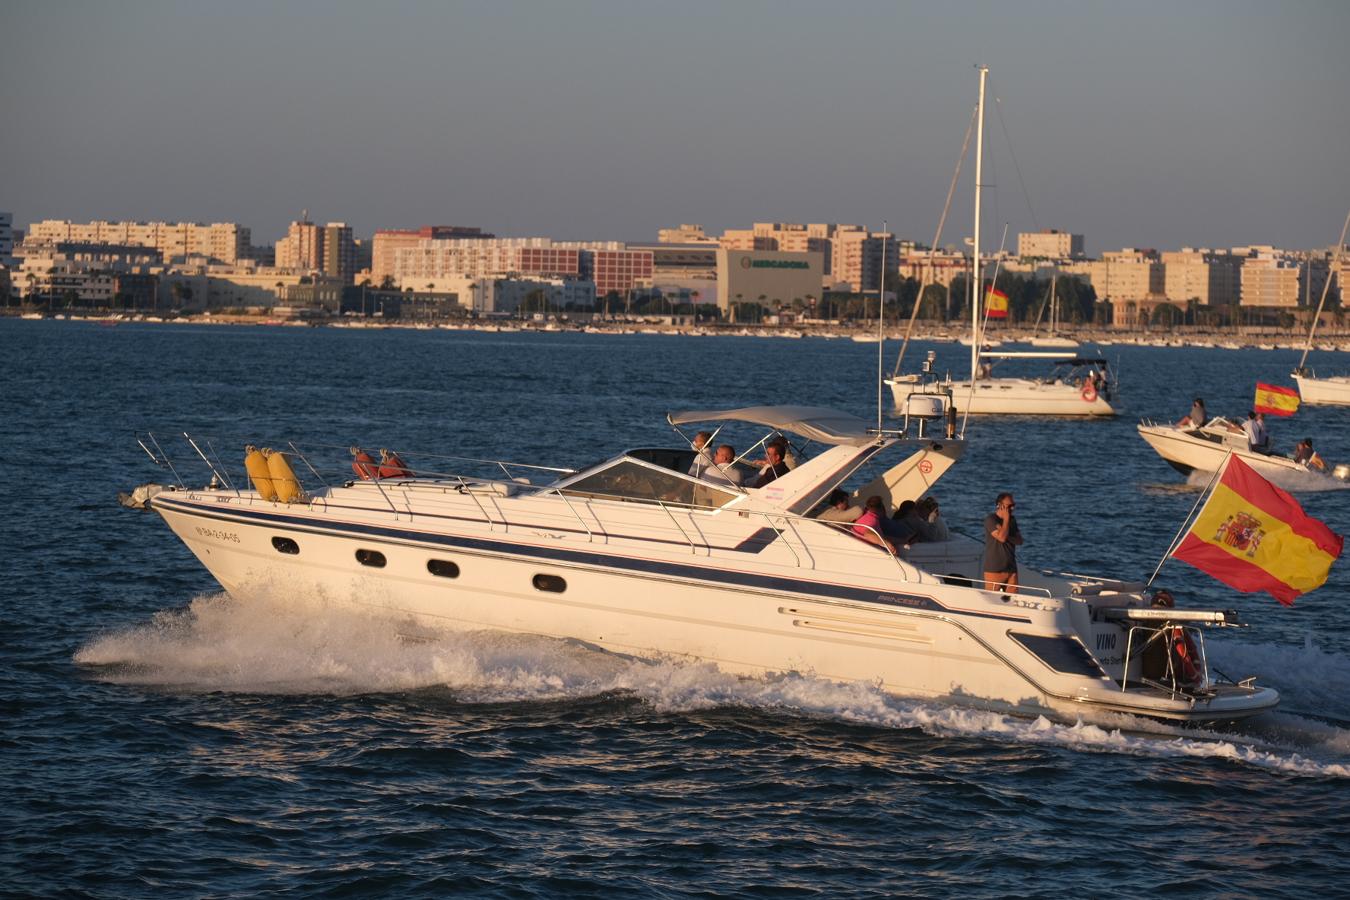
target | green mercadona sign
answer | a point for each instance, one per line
(779, 264)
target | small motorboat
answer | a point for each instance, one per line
(1188, 449)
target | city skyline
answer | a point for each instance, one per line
(1211, 125)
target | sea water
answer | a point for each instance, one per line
(162, 738)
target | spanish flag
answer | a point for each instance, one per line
(1274, 400)
(1253, 536)
(996, 303)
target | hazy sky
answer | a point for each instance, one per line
(1155, 124)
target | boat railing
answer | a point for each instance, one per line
(792, 532)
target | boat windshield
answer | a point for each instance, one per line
(633, 480)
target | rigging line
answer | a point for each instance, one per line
(998, 109)
(937, 239)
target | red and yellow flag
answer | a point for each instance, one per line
(1253, 536)
(1274, 400)
(996, 304)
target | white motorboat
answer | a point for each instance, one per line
(635, 556)
(1332, 390)
(1189, 449)
(1076, 386)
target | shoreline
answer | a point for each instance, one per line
(1183, 336)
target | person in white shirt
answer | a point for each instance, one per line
(723, 472)
(702, 459)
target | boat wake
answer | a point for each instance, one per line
(309, 646)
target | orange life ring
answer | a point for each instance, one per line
(1186, 655)
(1089, 393)
(363, 465)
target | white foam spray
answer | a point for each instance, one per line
(309, 645)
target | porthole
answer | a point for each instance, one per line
(285, 545)
(551, 583)
(373, 558)
(443, 568)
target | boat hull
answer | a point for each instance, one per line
(1333, 391)
(921, 639)
(1187, 453)
(1018, 397)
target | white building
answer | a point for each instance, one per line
(1050, 243)
(225, 242)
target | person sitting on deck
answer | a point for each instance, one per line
(1304, 454)
(775, 467)
(1196, 418)
(839, 509)
(932, 514)
(724, 472)
(870, 525)
(702, 459)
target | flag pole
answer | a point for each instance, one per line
(1176, 539)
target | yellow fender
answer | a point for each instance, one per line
(284, 482)
(255, 463)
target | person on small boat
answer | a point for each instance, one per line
(1002, 537)
(775, 466)
(702, 461)
(838, 508)
(1304, 454)
(1196, 418)
(1258, 439)
(724, 472)
(871, 524)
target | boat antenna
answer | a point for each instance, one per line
(881, 315)
(932, 249)
(1185, 523)
(1325, 287)
(976, 281)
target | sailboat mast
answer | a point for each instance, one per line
(1312, 329)
(975, 269)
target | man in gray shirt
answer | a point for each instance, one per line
(1001, 540)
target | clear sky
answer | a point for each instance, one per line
(1151, 124)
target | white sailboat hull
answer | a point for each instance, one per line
(1017, 397)
(812, 599)
(1331, 391)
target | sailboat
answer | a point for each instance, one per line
(1331, 390)
(1053, 339)
(1076, 386)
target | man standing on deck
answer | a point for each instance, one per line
(1002, 537)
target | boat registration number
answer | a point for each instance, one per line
(216, 534)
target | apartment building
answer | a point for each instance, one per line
(684, 234)
(1127, 274)
(388, 241)
(1273, 279)
(1210, 278)
(852, 256)
(1050, 243)
(611, 266)
(311, 247)
(223, 242)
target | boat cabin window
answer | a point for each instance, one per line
(550, 583)
(285, 545)
(373, 558)
(628, 479)
(443, 568)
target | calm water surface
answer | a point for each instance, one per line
(163, 739)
